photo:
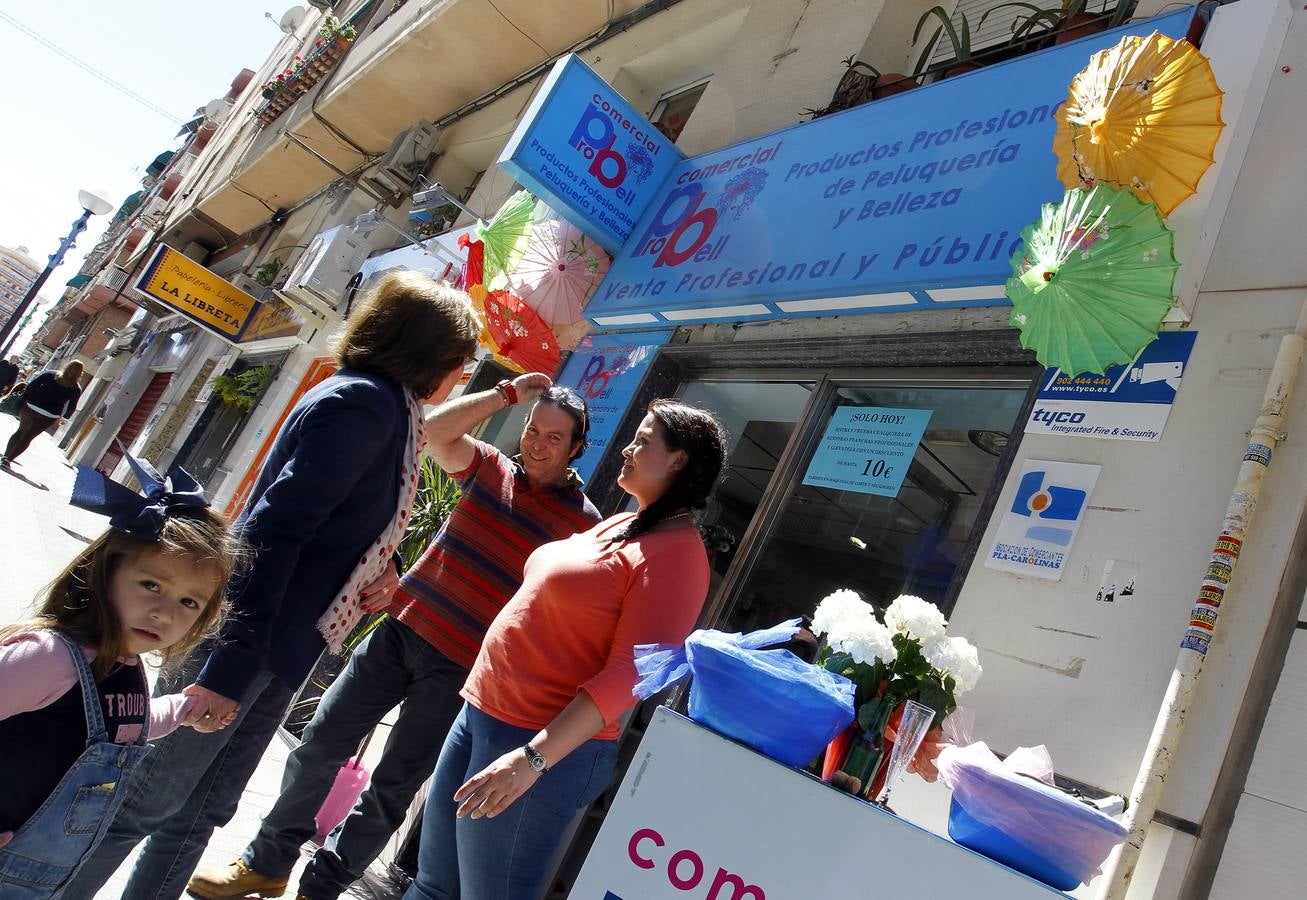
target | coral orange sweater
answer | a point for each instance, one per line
(573, 625)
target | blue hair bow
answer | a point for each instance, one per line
(142, 516)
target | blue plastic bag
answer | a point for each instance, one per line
(769, 699)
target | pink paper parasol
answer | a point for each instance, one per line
(559, 269)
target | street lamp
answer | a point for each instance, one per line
(93, 204)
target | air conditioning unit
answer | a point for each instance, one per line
(400, 166)
(247, 284)
(152, 213)
(316, 285)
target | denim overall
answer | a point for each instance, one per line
(50, 845)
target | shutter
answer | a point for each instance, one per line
(135, 422)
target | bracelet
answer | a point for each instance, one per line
(508, 392)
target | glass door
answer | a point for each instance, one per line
(881, 541)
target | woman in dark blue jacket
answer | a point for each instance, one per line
(322, 519)
(48, 399)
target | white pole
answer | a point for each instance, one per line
(1203, 618)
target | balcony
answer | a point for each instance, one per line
(418, 63)
(281, 93)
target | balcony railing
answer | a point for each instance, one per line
(282, 92)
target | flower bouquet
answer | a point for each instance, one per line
(907, 657)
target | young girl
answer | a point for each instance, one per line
(75, 710)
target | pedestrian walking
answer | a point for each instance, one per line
(49, 399)
(75, 711)
(323, 521)
(8, 374)
(420, 654)
(536, 740)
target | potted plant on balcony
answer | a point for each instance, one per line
(1066, 21)
(334, 36)
(959, 36)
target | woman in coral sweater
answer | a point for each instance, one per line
(537, 738)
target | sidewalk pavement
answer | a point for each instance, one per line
(43, 534)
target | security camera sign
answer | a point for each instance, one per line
(1126, 403)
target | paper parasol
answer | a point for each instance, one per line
(1093, 280)
(559, 269)
(505, 236)
(1145, 115)
(520, 335)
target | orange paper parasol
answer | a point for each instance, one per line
(1143, 115)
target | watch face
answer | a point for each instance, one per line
(538, 763)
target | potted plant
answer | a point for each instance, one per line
(334, 32)
(1067, 21)
(242, 391)
(959, 36)
(267, 273)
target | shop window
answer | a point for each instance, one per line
(673, 110)
(819, 538)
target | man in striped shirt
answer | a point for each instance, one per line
(420, 654)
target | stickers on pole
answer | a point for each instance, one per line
(1037, 531)
(1126, 403)
(867, 449)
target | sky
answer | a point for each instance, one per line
(64, 128)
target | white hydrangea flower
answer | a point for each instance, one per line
(866, 640)
(957, 657)
(837, 610)
(916, 618)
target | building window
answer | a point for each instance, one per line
(673, 109)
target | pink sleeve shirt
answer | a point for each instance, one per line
(573, 626)
(35, 671)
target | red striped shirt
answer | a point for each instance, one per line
(474, 565)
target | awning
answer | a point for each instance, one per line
(160, 163)
(128, 206)
(78, 280)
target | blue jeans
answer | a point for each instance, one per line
(391, 666)
(502, 858)
(188, 785)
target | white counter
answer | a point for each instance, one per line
(699, 817)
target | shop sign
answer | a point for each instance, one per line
(271, 319)
(606, 370)
(1036, 533)
(588, 153)
(867, 449)
(182, 284)
(917, 200)
(1125, 403)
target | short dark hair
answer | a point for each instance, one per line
(572, 403)
(410, 329)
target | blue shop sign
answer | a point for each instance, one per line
(606, 369)
(587, 153)
(915, 201)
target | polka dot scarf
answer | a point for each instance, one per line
(344, 612)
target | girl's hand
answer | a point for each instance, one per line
(209, 711)
(494, 788)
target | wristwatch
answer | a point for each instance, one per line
(538, 762)
(508, 392)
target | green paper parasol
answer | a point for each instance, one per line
(506, 235)
(1092, 280)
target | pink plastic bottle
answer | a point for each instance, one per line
(349, 784)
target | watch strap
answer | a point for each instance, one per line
(538, 762)
(508, 392)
